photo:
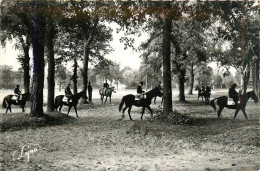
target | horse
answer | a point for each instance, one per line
(200, 93)
(204, 93)
(8, 101)
(107, 93)
(223, 102)
(158, 96)
(129, 101)
(73, 102)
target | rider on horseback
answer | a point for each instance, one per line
(233, 93)
(17, 92)
(159, 86)
(105, 87)
(208, 89)
(203, 88)
(68, 92)
(140, 92)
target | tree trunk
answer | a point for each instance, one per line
(182, 85)
(87, 41)
(60, 86)
(85, 69)
(191, 80)
(246, 77)
(255, 74)
(38, 69)
(51, 69)
(26, 69)
(75, 76)
(167, 88)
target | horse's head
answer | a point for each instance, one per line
(25, 96)
(113, 89)
(155, 92)
(77, 96)
(253, 96)
(82, 93)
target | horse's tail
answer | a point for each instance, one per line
(212, 103)
(56, 103)
(121, 104)
(4, 103)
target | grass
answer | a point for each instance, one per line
(100, 135)
(18, 121)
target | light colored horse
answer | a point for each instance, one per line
(107, 93)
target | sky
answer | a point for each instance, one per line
(126, 57)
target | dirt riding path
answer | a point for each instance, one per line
(100, 140)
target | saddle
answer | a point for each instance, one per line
(138, 95)
(65, 99)
(230, 101)
(103, 90)
(15, 97)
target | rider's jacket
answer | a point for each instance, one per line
(139, 89)
(17, 91)
(232, 92)
(105, 85)
(68, 91)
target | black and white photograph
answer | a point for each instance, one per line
(129, 85)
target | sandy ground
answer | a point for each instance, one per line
(101, 140)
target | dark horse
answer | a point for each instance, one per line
(73, 102)
(129, 101)
(8, 101)
(204, 93)
(223, 102)
(155, 99)
(108, 93)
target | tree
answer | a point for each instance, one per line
(116, 74)
(53, 18)
(86, 19)
(237, 78)
(38, 53)
(61, 75)
(217, 81)
(130, 77)
(6, 74)
(204, 75)
(16, 23)
(239, 26)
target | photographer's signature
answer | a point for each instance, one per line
(26, 151)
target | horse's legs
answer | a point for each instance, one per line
(75, 107)
(110, 99)
(125, 109)
(60, 107)
(220, 110)
(149, 108)
(244, 112)
(10, 108)
(162, 100)
(105, 100)
(7, 109)
(142, 112)
(69, 109)
(129, 110)
(22, 108)
(237, 110)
